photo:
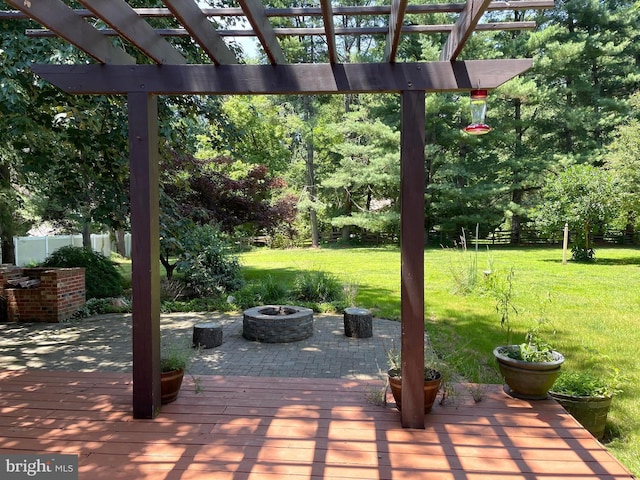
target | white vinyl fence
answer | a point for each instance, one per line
(32, 250)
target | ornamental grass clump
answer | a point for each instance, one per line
(587, 384)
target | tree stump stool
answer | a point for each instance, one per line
(358, 323)
(207, 335)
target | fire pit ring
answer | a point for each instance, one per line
(277, 323)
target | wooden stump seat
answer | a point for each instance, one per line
(207, 335)
(358, 323)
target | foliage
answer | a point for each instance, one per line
(623, 160)
(176, 355)
(317, 286)
(366, 174)
(581, 254)
(584, 197)
(433, 365)
(534, 349)
(101, 306)
(269, 291)
(500, 287)
(587, 383)
(172, 289)
(102, 278)
(207, 266)
(240, 198)
(253, 129)
(194, 305)
(464, 267)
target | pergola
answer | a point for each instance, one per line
(115, 71)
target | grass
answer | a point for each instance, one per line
(594, 309)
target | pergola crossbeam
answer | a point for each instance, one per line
(298, 31)
(282, 79)
(122, 18)
(363, 10)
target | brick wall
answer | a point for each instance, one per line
(60, 295)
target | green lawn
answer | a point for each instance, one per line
(595, 309)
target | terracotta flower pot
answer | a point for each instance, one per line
(170, 383)
(431, 388)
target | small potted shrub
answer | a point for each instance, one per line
(174, 361)
(529, 368)
(587, 397)
(432, 377)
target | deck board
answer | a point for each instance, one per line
(289, 429)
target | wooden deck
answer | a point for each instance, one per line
(289, 428)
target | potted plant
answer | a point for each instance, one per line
(530, 368)
(174, 361)
(587, 397)
(432, 377)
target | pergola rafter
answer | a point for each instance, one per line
(165, 71)
(123, 19)
(65, 23)
(464, 27)
(329, 30)
(198, 26)
(254, 12)
(396, 20)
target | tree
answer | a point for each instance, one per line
(236, 197)
(584, 197)
(586, 70)
(21, 137)
(623, 159)
(254, 130)
(366, 174)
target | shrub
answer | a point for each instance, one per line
(587, 384)
(580, 254)
(318, 287)
(272, 291)
(102, 277)
(194, 305)
(208, 269)
(100, 306)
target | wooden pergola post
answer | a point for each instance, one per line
(412, 179)
(145, 252)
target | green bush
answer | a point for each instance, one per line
(272, 291)
(319, 287)
(100, 306)
(102, 277)
(207, 266)
(194, 305)
(267, 291)
(587, 384)
(581, 254)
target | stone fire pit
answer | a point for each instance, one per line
(277, 323)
